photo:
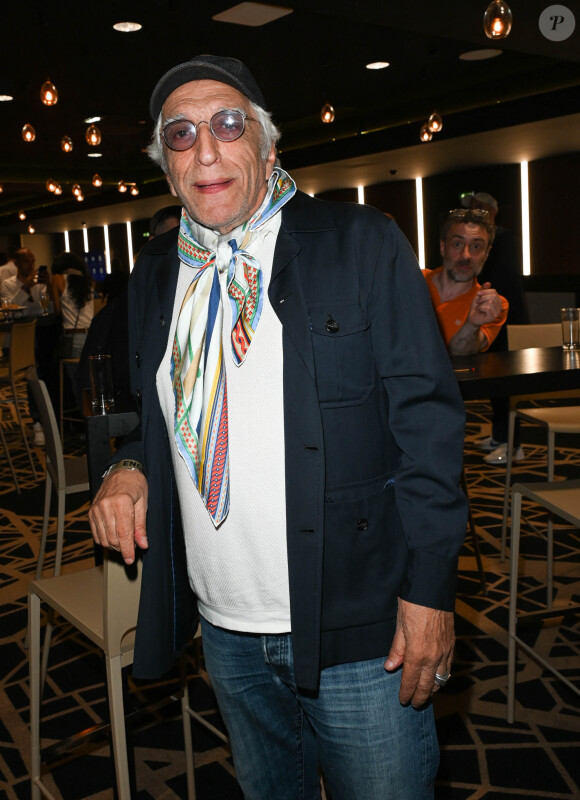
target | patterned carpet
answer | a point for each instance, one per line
(483, 757)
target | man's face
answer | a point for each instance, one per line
(24, 260)
(464, 251)
(220, 184)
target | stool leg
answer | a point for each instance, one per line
(117, 714)
(512, 644)
(550, 527)
(474, 537)
(187, 736)
(34, 671)
(508, 480)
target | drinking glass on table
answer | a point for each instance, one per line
(570, 331)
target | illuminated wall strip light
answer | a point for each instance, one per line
(526, 252)
(361, 195)
(66, 242)
(107, 249)
(420, 223)
(86, 240)
(130, 246)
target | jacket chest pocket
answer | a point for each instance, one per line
(343, 358)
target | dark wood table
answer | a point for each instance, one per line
(531, 371)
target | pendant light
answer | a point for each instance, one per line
(327, 113)
(121, 186)
(28, 133)
(31, 229)
(97, 180)
(66, 144)
(48, 93)
(134, 190)
(50, 185)
(435, 123)
(76, 190)
(21, 215)
(58, 189)
(93, 136)
(1, 188)
(497, 20)
(425, 134)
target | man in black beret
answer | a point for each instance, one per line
(295, 476)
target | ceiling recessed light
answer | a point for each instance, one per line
(95, 155)
(127, 27)
(480, 55)
(378, 65)
(89, 120)
(252, 14)
(5, 98)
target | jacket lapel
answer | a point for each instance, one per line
(287, 298)
(157, 329)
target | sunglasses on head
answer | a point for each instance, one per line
(469, 214)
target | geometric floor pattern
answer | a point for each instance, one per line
(482, 756)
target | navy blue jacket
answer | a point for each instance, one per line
(374, 428)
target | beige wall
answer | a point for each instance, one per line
(41, 246)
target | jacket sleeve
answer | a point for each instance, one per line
(426, 417)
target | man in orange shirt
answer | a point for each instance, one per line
(469, 315)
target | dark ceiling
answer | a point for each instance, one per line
(314, 55)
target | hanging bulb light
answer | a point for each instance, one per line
(435, 123)
(97, 180)
(327, 113)
(58, 189)
(134, 190)
(1, 188)
(50, 185)
(121, 186)
(93, 136)
(66, 144)
(28, 133)
(31, 229)
(80, 197)
(76, 190)
(48, 93)
(21, 215)
(497, 20)
(425, 134)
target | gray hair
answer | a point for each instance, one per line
(270, 136)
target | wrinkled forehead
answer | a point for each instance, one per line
(204, 95)
(469, 231)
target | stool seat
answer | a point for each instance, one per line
(565, 419)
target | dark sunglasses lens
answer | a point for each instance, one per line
(179, 135)
(227, 125)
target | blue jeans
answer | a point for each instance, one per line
(368, 745)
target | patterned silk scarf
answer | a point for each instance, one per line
(197, 360)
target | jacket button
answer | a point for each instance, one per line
(138, 359)
(332, 325)
(362, 525)
(138, 394)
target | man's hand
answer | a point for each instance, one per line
(485, 307)
(423, 644)
(117, 515)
